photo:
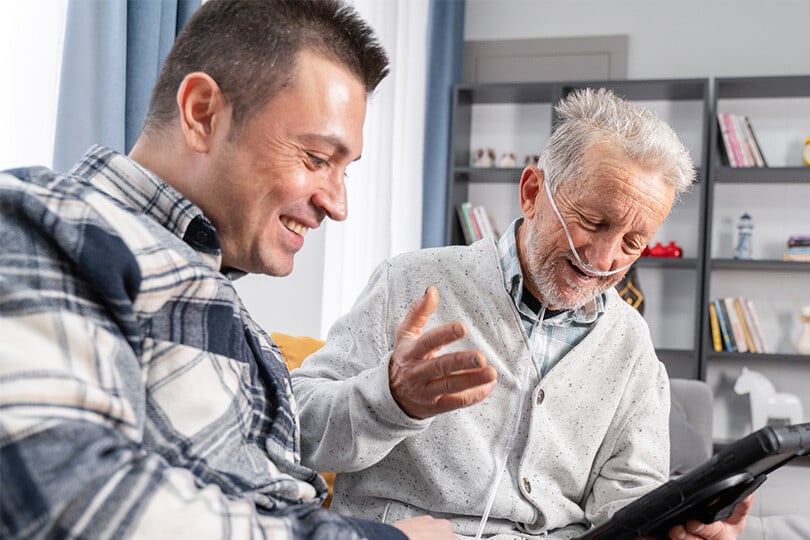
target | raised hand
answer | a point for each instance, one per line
(425, 382)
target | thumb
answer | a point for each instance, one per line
(418, 314)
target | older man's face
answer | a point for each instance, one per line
(612, 212)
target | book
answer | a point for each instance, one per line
(734, 323)
(760, 336)
(733, 141)
(717, 339)
(726, 147)
(800, 257)
(798, 240)
(725, 333)
(759, 158)
(742, 139)
(749, 339)
(483, 222)
(465, 219)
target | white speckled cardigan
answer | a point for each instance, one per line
(593, 437)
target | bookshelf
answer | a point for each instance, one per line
(778, 199)
(518, 118)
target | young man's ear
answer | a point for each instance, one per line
(530, 185)
(204, 111)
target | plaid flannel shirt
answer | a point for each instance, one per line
(137, 396)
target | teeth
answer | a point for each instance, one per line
(295, 227)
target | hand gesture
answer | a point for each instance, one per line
(425, 383)
(426, 527)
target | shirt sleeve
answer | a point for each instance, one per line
(349, 419)
(73, 409)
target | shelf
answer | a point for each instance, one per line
(764, 357)
(669, 90)
(763, 265)
(689, 263)
(488, 175)
(762, 87)
(507, 93)
(762, 175)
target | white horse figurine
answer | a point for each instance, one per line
(766, 402)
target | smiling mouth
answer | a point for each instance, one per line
(294, 226)
(578, 270)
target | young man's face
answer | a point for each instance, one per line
(284, 171)
(611, 213)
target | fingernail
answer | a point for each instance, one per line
(476, 361)
(697, 528)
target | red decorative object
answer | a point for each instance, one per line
(671, 250)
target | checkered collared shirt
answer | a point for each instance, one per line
(557, 335)
(137, 396)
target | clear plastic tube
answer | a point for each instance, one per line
(510, 441)
(584, 266)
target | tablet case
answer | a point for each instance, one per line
(709, 492)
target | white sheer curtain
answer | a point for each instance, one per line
(385, 186)
(31, 39)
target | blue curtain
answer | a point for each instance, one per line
(445, 56)
(113, 52)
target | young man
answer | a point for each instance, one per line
(560, 408)
(137, 396)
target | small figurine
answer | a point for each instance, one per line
(484, 158)
(507, 160)
(766, 402)
(532, 159)
(671, 250)
(745, 229)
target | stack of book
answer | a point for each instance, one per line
(475, 223)
(740, 146)
(735, 326)
(798, 248)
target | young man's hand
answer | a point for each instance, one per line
(424, 382)
(426, 527)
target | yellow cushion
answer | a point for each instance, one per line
(295, 349)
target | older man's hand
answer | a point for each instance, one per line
(728, 529)
(425, 382)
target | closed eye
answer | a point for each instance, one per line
(316, 161)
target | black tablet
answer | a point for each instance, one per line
(709, 492)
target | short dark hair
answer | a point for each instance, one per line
(249, 48)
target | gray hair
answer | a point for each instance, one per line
(587, 117)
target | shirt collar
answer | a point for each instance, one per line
(513, 280)
(143, 192)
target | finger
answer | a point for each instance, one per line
(418, 314)
(436, 338)
(460, 382)
(446, 364)
(451, 402)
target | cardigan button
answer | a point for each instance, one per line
(540, 396)
(527, 485)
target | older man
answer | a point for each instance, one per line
(138, 399)
(559, 406)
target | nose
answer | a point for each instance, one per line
(331, 197)
(604, 252)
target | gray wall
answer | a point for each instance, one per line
(688, 38)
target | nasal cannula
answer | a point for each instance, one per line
(584, 266)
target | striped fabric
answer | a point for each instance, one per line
(137, 397)
(557, 335)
